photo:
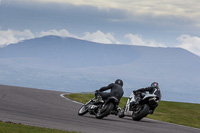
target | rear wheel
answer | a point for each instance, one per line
(141, 112)
(104, 111)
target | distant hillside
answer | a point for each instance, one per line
(74, 65)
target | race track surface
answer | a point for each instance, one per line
(46, 108)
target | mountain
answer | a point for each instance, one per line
(74, 65)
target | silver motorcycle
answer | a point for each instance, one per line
(138, 110)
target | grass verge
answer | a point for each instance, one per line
(9, 127)
(186, 114)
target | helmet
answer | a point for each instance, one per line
(119, 82)
(154, 85)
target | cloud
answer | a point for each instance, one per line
(61, 33)
(12, 36)
(175, 8)
(190, 43)
(138, 40)
(100, 37)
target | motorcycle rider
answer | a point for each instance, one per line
(116, 90)
(153, 89)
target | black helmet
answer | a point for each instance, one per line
(119, 82)
(154, 85)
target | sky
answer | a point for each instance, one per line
(154, 23)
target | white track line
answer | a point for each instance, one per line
(62, 95)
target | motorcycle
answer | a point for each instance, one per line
(138, 110)
(99, 107)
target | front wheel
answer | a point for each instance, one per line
(83, 110)
(105, 110)
(141, 112)
(121, 113)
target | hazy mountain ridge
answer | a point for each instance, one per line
(76, 65)
(62, 50)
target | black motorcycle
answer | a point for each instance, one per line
(137, 111)
(99, 107)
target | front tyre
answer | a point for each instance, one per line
(104, 111)
(121, 113)
(83, 110)
(142, 112)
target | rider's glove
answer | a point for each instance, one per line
(134, 92)
(96, 93)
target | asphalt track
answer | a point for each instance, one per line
(45, 108)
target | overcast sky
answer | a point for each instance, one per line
(156, 23)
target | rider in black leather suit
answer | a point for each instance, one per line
(116, 90)
(153, 89)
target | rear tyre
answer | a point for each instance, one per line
(83, 110)
(144, 110)
(105, 111)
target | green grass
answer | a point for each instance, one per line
(187, 114)
(7, 127)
